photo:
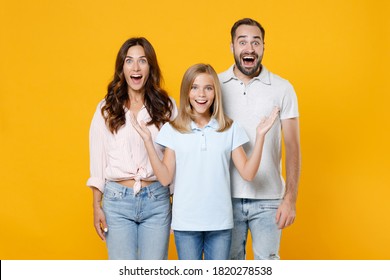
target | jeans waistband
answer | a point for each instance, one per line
(125, 189)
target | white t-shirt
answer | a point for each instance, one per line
(247, 104)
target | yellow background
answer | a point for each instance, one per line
(57, 58)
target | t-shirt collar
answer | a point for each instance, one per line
(213, 123)
(263, 77)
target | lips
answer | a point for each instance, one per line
(201, 102)
(248, 60)
(136, 77)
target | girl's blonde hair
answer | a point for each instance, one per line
(186, 114)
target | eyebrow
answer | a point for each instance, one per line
(144, 56)
(246, 36)
(207, 85)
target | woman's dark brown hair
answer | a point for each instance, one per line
(157, 102)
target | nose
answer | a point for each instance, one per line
(251, 48)
(136, 66)
(202, 92)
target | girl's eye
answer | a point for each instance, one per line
(209, 88)
(194, 87)
(143, 61)
(128, 61)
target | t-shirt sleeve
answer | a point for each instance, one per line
(239, 135)
(289, 108)
(165, 137)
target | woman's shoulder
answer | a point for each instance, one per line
(101, 104)
(175, 111)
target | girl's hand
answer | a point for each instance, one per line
(99, 220)
(266, 123)
(142, 130)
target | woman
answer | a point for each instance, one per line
(199, 145)
(132, 210)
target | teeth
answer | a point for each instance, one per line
(136, 76)
(201, 101)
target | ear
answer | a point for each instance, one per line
(231, 47)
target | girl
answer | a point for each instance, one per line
(199, 144)
(135, 215)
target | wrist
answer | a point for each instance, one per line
(97, 205)
(290, 198)
(260, 137)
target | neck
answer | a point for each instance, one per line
(136, 97)
(202, 121)
(243, 77)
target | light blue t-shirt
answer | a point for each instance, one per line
(202, 195)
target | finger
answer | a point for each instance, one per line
(275, 112)
(100, 232)
(291, 221)
(132, 119)
(287, 223)
(104, 226)
(280, 219)
(277, 217)
(273, 116)
(136, 125)
(143, 125)
(282, 222)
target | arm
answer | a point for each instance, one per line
(164, 169)
(286, 213)
(247, 167)
(97, 167)
(99, 219)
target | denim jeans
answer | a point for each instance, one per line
(138, 226)
(215, 245)
(258, 216)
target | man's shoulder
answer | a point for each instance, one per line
(277, 79)
(226, 75)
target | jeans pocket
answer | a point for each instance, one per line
(112, 194)
(270, 204)
(160, 193)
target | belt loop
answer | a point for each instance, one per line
(147, 190)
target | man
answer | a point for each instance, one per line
(267, 204)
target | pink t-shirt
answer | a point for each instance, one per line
(120, 156)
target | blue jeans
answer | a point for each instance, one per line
(138, 226)
(215, 245)
(258, 216)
